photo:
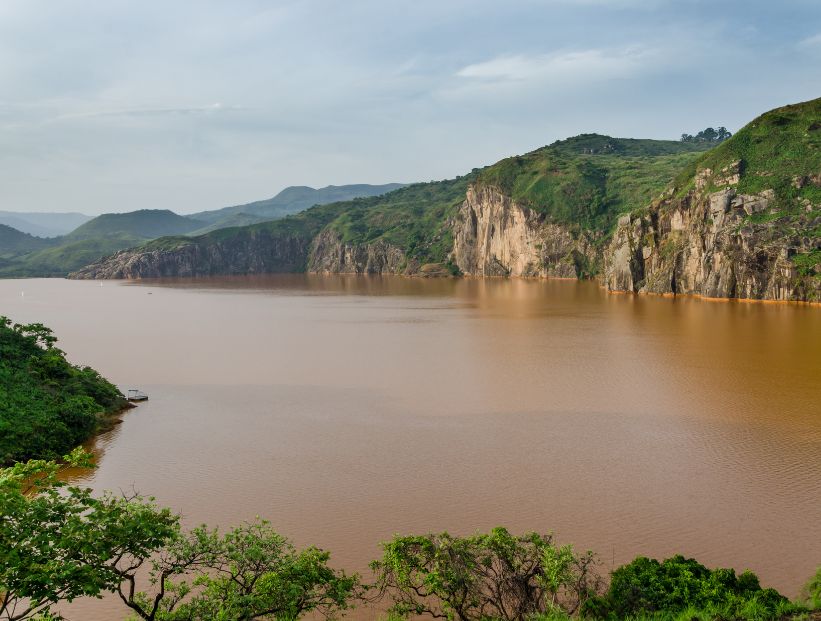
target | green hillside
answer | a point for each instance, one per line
(587, 180)
(14, 242)
(590, 179)
(144, 223)
(47, 405)
(780, 150)
(62, 256)
(289, 201)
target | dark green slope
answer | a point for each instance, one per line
(407, 217)
(144, 223)
(47, 405)
(64, 256)
(14, 242)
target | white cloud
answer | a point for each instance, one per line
(813, 41)
(571, 66)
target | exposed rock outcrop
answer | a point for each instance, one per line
(330, 255)
(494, 236)
(708, 243)
(253, 253)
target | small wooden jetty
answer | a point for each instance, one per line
(136, 395)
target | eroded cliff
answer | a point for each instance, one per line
(717, 242)
(495, 236)
(256, 252)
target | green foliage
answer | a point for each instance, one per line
(485, 576)
(811, 594)
(140, 224)
(47, 405)
(58, 542)
(588, 181)
(806, 262)
(774, 150)
(708, 135)
(251, 572)
(62, 255)
(13, 242)
(647, 587)
(414, 218)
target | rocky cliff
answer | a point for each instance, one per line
(257, 251)
(740, 220)
(329, 254)
(495, 236)
(718, 244)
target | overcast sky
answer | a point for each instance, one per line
(109, 105)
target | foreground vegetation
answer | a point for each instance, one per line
(58, 543)
(47, 405)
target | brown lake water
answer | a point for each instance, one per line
(347, 409)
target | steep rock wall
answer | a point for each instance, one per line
(330, 255)
(254, 253)
(709, 243)
(494, 236)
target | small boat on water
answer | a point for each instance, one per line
(136, 395)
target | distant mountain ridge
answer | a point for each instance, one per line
(22, 254)
(291, 200)
(737, 220)
(43, 224)
(14, 242)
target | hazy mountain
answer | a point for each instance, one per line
(145, 224)
(292, 200)
(13, 242)
(43, 224)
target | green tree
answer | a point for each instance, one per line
(485, 576)
(811, 594)
(646, 587)
(47, 405)
(250, 572)
(58, 542)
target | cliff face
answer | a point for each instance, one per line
(330, 255)
(256, 252)
(494, 236)
(715, 242)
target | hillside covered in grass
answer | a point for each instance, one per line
(742, 220)
(47, 405)
(588, 180)
(584, 182)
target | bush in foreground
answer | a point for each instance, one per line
(648, 588)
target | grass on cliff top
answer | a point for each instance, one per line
(588, 181)
(774, 149)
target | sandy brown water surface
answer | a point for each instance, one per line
(346, 409)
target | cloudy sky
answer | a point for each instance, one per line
(110, 105)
